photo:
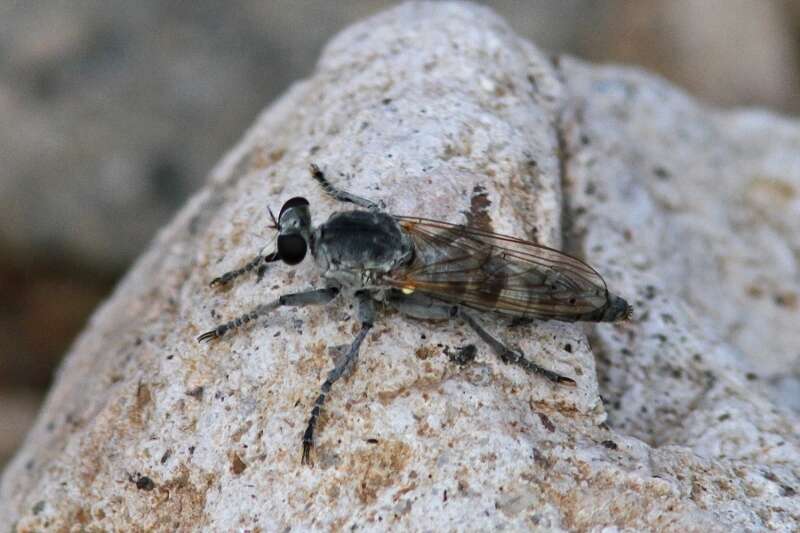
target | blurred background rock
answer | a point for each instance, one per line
(114, 111)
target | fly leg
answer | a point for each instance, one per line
(339, 194)
(259, 263)
(511, 357)
(422, 306)
(366, 315)
(299, 299)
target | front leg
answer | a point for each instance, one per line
(258, 263)
(299, 299)
(366, 315)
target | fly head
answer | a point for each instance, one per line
(294, 227)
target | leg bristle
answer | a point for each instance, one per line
(208, 336)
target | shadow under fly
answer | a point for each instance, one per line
(425, 269)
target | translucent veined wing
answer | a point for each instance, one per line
(493, 272)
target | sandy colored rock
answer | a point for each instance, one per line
(680, 420)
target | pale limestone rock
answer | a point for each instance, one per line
(689, 213)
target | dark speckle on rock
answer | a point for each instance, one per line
(237, 465)
(545, 420)
(661, 173)
(196, 392)
(142, 482)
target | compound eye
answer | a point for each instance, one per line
(297, 201)
(292, 248)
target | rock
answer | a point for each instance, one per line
(727, 52)
(679, 425)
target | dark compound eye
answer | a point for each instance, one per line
(292, 248)
(292, 202)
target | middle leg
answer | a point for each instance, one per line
(366, 315)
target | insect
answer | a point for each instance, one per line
(425, 269)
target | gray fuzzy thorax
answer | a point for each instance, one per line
(352, 247)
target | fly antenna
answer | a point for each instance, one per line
(275, 224)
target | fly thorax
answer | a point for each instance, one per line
(362, 242)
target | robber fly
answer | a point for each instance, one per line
(425, 269)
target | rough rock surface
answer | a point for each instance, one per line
(682, 418)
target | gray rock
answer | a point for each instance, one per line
(680, 424)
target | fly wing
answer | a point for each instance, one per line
(493, 272)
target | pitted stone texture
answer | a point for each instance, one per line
(428, 107)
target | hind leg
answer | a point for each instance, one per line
(421, 306)
(507, 355)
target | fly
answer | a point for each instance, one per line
(425, 269)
